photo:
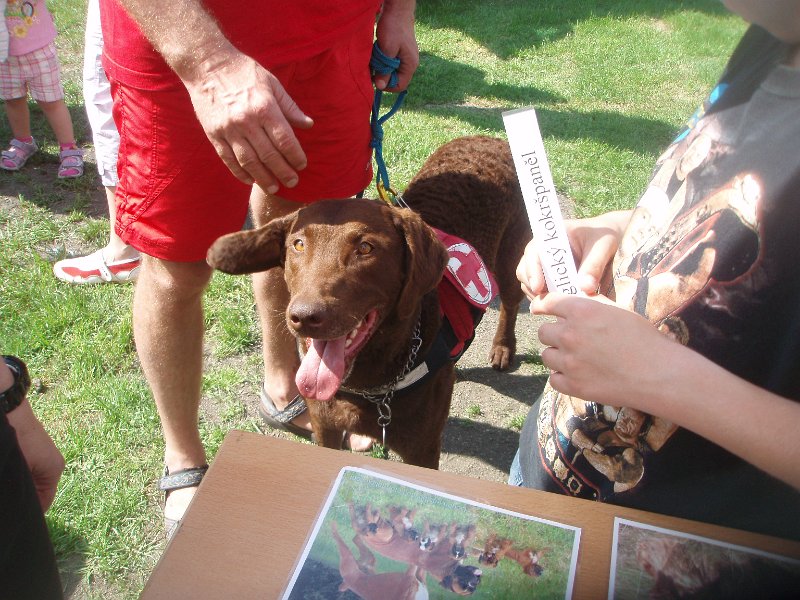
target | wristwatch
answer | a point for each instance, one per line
(13, 396)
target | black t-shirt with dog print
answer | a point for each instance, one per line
(711, 257)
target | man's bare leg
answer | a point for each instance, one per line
(269, 288)
(168, 328)
(281, 360)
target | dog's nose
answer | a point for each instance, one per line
(305, 316)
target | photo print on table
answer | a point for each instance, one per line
(653, 562)
(382, 538)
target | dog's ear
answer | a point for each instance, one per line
(426, 258)
(251, 251)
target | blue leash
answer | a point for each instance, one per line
(383, 65)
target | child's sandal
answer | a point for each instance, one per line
(71, 163)
(17, 154)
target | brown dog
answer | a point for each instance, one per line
(362, 279)
(369, 585)
(443, 562)
(497, 548)
(494, 550)
(528, 559)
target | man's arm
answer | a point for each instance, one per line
(244, 110)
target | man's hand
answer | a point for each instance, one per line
(248, 117)
(44, 460)
(244, 110)
(396, 39)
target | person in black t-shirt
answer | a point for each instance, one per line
(30, 467)
(675, 388)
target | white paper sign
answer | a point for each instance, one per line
(541, 202)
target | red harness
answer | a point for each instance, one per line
(466, 289)
(465, 292)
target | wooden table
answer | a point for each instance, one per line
(255, 508)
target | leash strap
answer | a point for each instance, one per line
(380, 64)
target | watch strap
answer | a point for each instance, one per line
(13, 396)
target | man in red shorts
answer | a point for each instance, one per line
(281, 93)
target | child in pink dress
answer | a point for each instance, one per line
(32, 67)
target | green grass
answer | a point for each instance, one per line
(474, 410)
(612, 82)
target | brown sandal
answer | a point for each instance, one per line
(178, 480)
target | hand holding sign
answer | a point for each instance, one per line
(541, 202)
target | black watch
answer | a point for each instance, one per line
(13, 396)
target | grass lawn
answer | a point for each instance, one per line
(612, 82)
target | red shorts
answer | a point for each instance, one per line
(176, 196)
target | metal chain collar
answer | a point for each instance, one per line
(383, 403)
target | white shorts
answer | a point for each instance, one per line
(97, 97)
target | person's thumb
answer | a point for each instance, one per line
(593, 265)
(293, 114)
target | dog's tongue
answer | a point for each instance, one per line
(320, 374)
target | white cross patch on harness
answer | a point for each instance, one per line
(470, 272)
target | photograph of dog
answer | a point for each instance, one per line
(384, 538)
(497, 548)
(384, 299)
(659, 564)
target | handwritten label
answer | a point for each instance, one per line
(541, 201)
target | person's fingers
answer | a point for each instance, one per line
(568, 305)
(547, 334)
(381, 81)
(228, 156)
(529, 272)
(594, 264)
(268, 165)
(405, 72)
(282, 153)
(527, 291)
(550, 358)
(549, 304)
(279, 130)
(291, 112)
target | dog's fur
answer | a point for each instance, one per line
(494, 550)
(370, 585)
(364, 268)
(692, 569)
(443, 561)
(529, 559)
(497, 548)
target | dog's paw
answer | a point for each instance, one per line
(501, 357)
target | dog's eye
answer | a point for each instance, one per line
(299, 245)
(364, 248)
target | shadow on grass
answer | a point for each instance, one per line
(505, 27)
(71, 552)
(441, 81)
(635, 134)
(438, 89)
